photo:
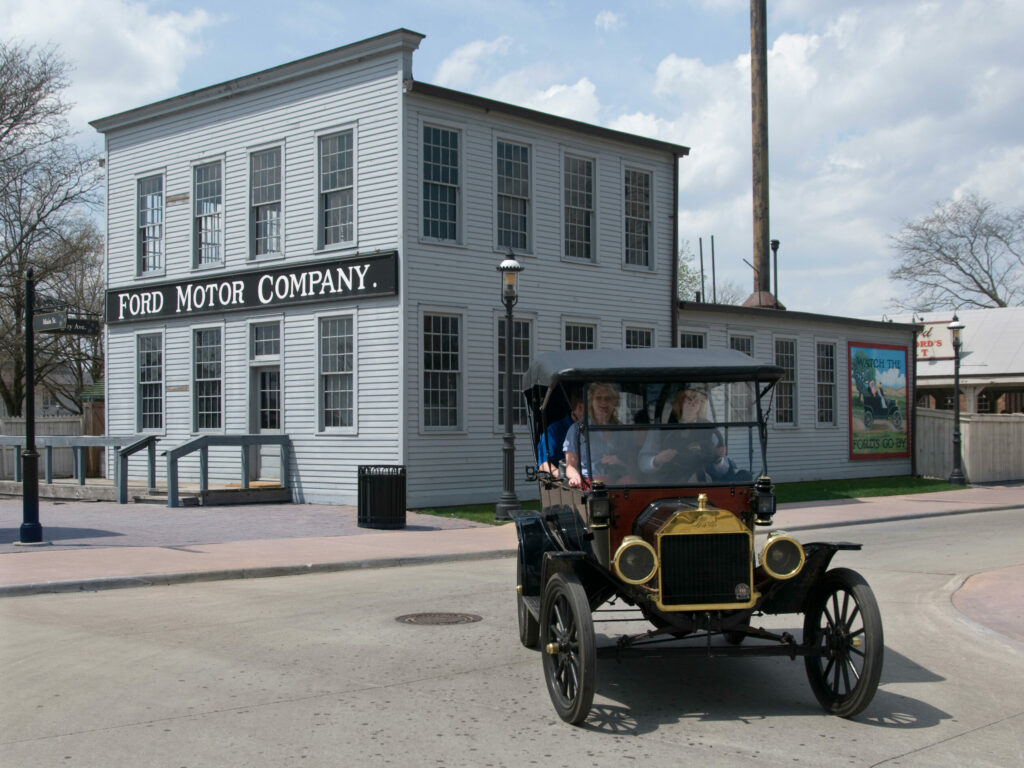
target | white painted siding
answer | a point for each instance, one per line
(465, 466)
(365, 97)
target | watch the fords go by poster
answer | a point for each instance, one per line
(878, 401)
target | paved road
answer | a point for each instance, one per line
(315, 671)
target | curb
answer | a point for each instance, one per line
(896, 518)
(261, 572)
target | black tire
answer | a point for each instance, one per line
(529, 627)
(734, 636)
(569, 647)
(896, 418)
(869, 418)
(843, 623)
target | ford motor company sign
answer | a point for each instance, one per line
(336, 280)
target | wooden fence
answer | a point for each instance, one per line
(992, 445)
(63, 461)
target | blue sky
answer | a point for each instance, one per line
(878, 109)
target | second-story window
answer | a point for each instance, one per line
(265, 202)
(638, 218)
(513, 196)
(579, 207)
(336, 189)
(440, 183)
(207, 215)
(150, 224)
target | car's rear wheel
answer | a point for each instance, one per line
(529, 627)
(569, 647)
(843, 625)
(869, 418)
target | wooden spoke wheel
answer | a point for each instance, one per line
(843, 625)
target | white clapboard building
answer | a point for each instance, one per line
(311, 251)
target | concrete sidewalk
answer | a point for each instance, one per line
(102, 545)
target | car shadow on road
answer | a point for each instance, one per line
(639, 695)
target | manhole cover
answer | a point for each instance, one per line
(438, 618)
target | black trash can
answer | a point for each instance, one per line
(381, 497)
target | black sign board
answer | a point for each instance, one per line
(350, 278)
(50, 322)
(81, 326)
(59, 322)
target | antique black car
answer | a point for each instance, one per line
(654, 506)
(875, 403)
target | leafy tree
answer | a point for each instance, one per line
(965, 253)
(47, 188)
(688, 279)
(688, 282)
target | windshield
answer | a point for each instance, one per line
(666, 433)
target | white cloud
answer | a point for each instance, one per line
(577, 101)
(608, 21)
(876, 111)
(463, 68)
(124, 53)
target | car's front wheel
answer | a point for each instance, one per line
(569, 647)
(844, 628)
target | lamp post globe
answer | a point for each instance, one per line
(509, 269)
(957, 475)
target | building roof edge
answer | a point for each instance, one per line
(381, 45)
(481, 102)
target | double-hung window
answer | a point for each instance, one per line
(440, 183)
(825, 372)
(513, 196)
(336, 190)
(785, 390)
(207, 215)
(265, 202)
(207, 380)
(638, 218)
(441, 372)
(579, 336)
(337, 368)
(688, 340)
(150, 224)
(150, 382)
(741, 396)
(579, 207)
(639, 338)
(520, 362)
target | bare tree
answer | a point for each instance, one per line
(47, 188)
(965, 253)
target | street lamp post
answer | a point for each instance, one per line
(509, 269)
(31, 531)
(957, 475)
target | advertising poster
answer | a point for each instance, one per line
(878, 401)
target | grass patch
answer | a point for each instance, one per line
(826, 490)
(478, 513)
(785, 493)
